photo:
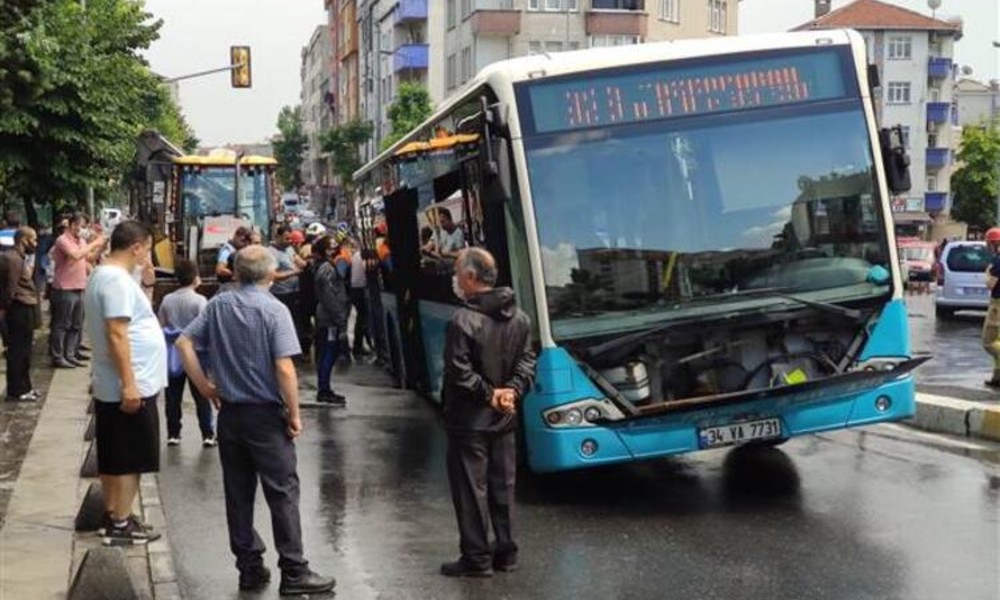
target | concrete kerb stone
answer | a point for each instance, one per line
(965, 418)
(104, 574)
(91, 512)
(88, 469)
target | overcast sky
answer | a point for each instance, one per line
(196, 36)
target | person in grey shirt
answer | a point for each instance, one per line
(177, 310)
(286, 280)
(250, 339)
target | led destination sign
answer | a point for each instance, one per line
(615, 98)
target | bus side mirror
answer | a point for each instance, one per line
(895, 160)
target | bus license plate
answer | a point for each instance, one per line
(737, 433)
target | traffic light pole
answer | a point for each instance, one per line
(203, 73)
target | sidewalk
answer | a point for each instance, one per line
(967, 418)
(39, 550)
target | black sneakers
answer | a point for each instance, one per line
(305, 583)
(505, 564)
(460, 568)
(133, 533)
(255, 579)
(332, 398)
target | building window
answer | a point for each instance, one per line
(906, 135)
(466, 8)
(900, 48)
(717, 16)
(931, 184)
(534, 47)
(618, 4)
(553, 5)
(553, 46)
(452, 18)
(604, 41)
(898, 92)
(466, 64)
(450, 74)
(670, 10)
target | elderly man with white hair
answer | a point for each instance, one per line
(250, 339)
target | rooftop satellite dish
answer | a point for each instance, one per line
(966, 70)
(934, 4)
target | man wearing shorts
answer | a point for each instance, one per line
(129, 371)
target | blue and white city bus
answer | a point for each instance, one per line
(699, 230)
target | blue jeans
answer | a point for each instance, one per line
(327, 348)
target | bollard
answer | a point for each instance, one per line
(90, 517)
(88, 434)
(89, 467)
(103, 575)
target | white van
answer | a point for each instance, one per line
(961, 281)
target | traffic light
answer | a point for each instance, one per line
(239, 60)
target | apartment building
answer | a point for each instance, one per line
(977, 102)
(441, 44)
(913, 53)
(316, 106)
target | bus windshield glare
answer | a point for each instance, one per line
(661, 205)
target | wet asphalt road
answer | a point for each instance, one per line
(880, 513)
(960, 365)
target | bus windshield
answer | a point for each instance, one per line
(645, 222)
(210, 192)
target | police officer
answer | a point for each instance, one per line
(489, 365)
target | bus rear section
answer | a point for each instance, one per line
(716, 252)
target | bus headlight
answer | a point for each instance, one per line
(584, 413)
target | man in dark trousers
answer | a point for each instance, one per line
(250, 340)
(489, 366)
(18, 300)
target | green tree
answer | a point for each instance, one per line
(343, 144)
(975, 185)
(288, 146)
(165, 116)
(74, 93)
(411, 108)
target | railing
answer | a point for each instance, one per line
(935, 201)
(938, 68)
(938, 112)
(938, 157)
(410, 10)
(410, 56)
(639, 5)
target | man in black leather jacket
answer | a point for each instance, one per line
(489, 365)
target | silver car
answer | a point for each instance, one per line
(962, 278)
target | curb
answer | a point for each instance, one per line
(964, 418)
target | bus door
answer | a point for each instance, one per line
(401, 219)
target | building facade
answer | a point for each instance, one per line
(977, 102)
(316, 114)
(913, 54)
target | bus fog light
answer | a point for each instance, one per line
(588, 447)
(592, 414)
(883, 403)
(573, 416)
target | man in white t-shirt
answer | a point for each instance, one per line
(129, 372)
(450, 238)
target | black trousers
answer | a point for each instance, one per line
(253, 444)
(359, 300)
(300, 318)
(20, 335)
(482, 468)
(174, 396)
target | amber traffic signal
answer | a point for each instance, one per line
(239, 59)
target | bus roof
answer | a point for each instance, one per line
(537, 66)
(224, 161)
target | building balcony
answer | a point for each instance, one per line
(409, 11)
(938, 112)
(935, 201)
(409, 56)
(938, 68)
(622, 21)
(938, 157)
(496, 17)
(637, 5)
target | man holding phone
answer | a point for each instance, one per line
(250, 338)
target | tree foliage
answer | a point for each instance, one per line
(288, 147)
(411, 108)
(74, 93)
(975, 185)
(343, 144)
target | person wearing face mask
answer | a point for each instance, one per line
(129, 372)
(18, 300)
(70, 257)
(489, 365)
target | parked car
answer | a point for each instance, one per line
(962, 278)
(919, 258)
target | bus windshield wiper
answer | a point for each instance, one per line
(634, 338)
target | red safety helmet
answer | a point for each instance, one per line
(296, 237)
(993, 234)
